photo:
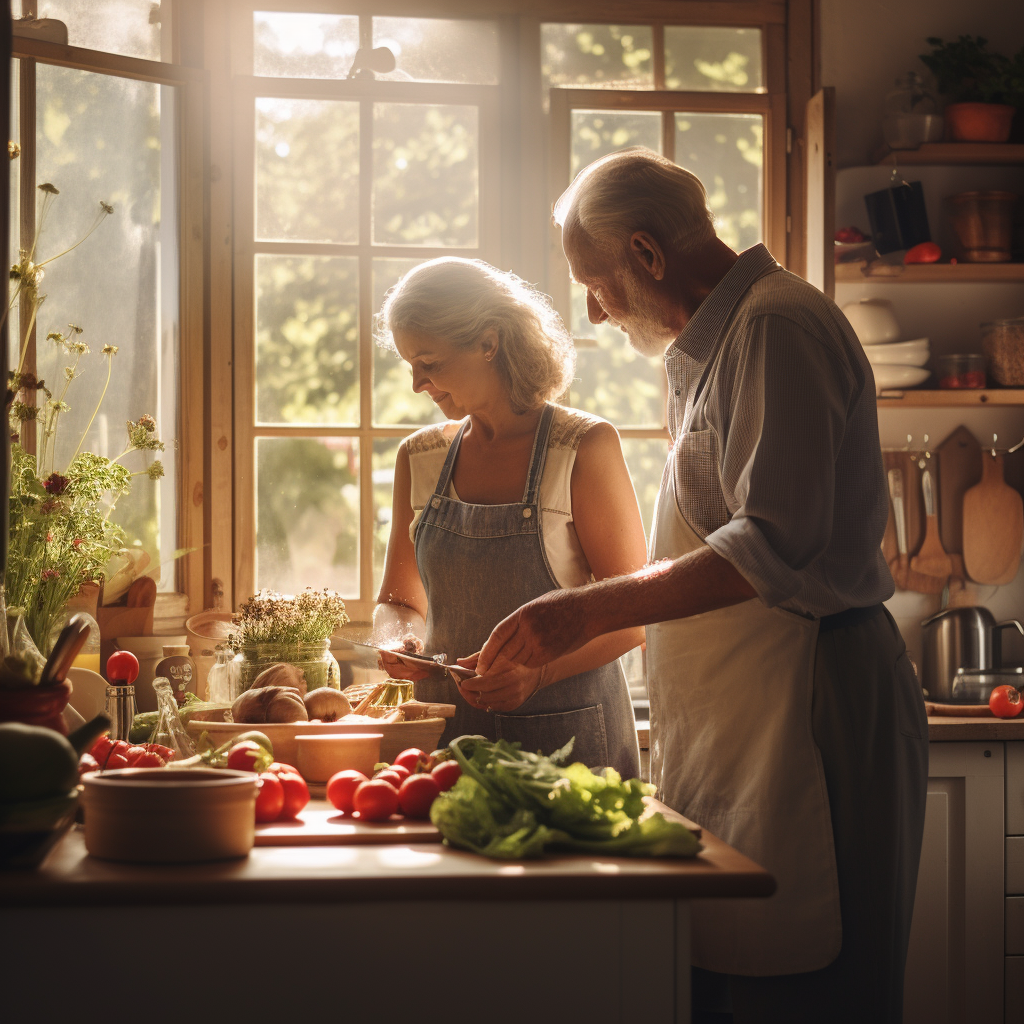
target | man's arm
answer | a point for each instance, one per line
(564, 620)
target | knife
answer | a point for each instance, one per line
(437, 663)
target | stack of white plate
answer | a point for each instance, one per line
(895, 363)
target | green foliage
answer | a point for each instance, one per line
(967, 71)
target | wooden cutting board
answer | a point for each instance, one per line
(319, 826)
(959, 458)
(993, 525)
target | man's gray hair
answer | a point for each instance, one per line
(458, 300)
(631, 190)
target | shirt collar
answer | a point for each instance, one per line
(699, 337)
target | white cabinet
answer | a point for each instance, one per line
(966, 958)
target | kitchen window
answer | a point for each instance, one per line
(107, 119)
(366, 141)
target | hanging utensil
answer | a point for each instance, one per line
(899, 568)
(931, 559)
(71, 640)
(993, 525)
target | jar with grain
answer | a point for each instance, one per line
(1003, 342)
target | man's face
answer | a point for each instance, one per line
(625, 298)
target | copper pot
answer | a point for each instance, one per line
(983, 222)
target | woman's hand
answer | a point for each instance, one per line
(391, 663)
(504, 688)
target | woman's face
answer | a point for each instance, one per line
(458, 380)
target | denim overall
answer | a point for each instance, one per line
(478, 564)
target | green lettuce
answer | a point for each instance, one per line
(511, 804)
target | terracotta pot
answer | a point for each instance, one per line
(36, 705)
(984, 225)
(979, 122)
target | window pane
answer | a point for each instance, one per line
(307, 514)
(596, 133)
(725, 152)
(113, 139)
(612, 379)
(425, 174)
(287, 45)
(307, 339)
(646, 458)
(307, 170)
(394, 401)
(131, 27)
(597, 56)
(713, 59)
(436, 50)
(384, 452)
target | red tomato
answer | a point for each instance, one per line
(341, 786)
(158, 748)
(87, 763)
(102, 747)
(375, 800)
(123, 665)
(149, 759)
(925, 252)
(400, 770)
(412, 759)
(296, 792)
(393, 779)
(269, 797)
(418, 792)
(446, 774)
(133, 753)
(115, 761)
(279, 766)
(242, 756)
(1005, 702)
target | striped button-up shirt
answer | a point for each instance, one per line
(775, 440)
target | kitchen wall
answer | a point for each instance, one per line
(865, 46)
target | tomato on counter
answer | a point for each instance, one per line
(1005, 702)
(375, 800)
(269, 797)
(341, 786)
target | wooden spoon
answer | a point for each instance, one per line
(931, 559)
(993, 525)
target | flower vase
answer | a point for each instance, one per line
(314, 658)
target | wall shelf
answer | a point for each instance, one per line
(953, 153)
(921, 273)
(913, 398)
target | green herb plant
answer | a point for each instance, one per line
(967, 71)
(511, 804)
(61, 534)
(269, 617)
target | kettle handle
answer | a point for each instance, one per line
(1011, 623)
(997, 643)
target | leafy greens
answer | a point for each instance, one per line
(511, 804)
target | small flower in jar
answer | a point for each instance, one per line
(156, 470)
(49, 506)
(49, 189)
(107, 208)
(56, 483)
(75, 329)
(25, 412)
(109, 350)
(147, 423)
(77, 542)
(49, 536)
(50, 574)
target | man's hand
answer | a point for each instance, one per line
(537, 633)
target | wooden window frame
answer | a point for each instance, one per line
(190, 83)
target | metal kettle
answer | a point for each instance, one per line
(960, 638)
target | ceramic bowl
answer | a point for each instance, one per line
(163, 815)
(873, 321)
(899, 353)
(319, 757)
(88, 692)
(889, 376)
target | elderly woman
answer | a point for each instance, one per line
(512, 497)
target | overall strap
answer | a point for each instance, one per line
(539, 455)
(449, 463)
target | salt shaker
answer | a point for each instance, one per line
(121, 709)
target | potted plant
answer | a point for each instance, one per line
(986, 87)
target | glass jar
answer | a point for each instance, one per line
(314, 658)
(910, 114)
(963, 370)
(1003, 342)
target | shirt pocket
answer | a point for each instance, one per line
(698, 483)
(547, 733)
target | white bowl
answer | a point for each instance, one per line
(873, 321)
(888, 376)
(88, 692)
(900, 353)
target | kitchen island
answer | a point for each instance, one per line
(369, 933)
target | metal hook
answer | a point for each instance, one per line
(995, 437)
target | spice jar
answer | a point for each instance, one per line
(1003, 342)
(964, 370)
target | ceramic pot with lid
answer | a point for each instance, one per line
(960, 638)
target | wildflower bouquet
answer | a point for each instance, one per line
(61, 534)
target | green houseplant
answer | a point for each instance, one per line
(986, 88)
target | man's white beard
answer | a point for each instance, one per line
(643, 329)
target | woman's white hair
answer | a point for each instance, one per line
(631, 190)
(458, 300)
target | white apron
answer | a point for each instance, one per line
(732, 749)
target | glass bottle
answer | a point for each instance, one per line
(169, 731)
(218, 681)
(910, 114)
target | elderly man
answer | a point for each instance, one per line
(785, 714)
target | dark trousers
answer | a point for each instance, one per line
(869, 722)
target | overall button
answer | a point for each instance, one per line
(527, 512)
(435, 503)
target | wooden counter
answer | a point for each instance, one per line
(362, 933)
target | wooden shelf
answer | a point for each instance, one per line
(953, 153)
(920, 273)
(912, 398)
